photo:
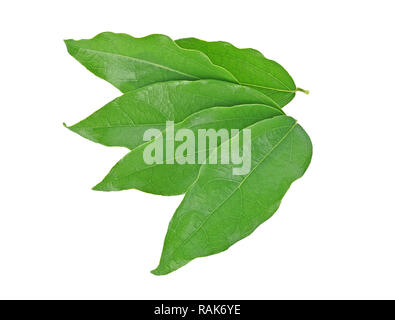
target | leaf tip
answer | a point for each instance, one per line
(155, 272)
(68, 41)
(104, 185)
(71, 128)
(158, 272)
(163, 269)
(98, 187)
(71, 48)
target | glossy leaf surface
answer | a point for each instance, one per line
(129, 63)
(249, 67)
(123, 121)
(132, 172)
(220, 208)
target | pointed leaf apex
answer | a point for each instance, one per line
(98, 187)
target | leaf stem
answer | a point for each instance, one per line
(303, 90)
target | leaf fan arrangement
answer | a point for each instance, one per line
(198, 85)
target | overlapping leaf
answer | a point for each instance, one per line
(221, 208)
(132, 172)
(249, 67)
(130, 63)
(123, 121)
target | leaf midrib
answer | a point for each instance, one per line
(134, 125)
(137, 59)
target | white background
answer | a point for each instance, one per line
(334, 234)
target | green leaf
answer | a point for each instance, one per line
(221, 208)
(132, 172)
(249, 67)
(129, 63)
(123, 121)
